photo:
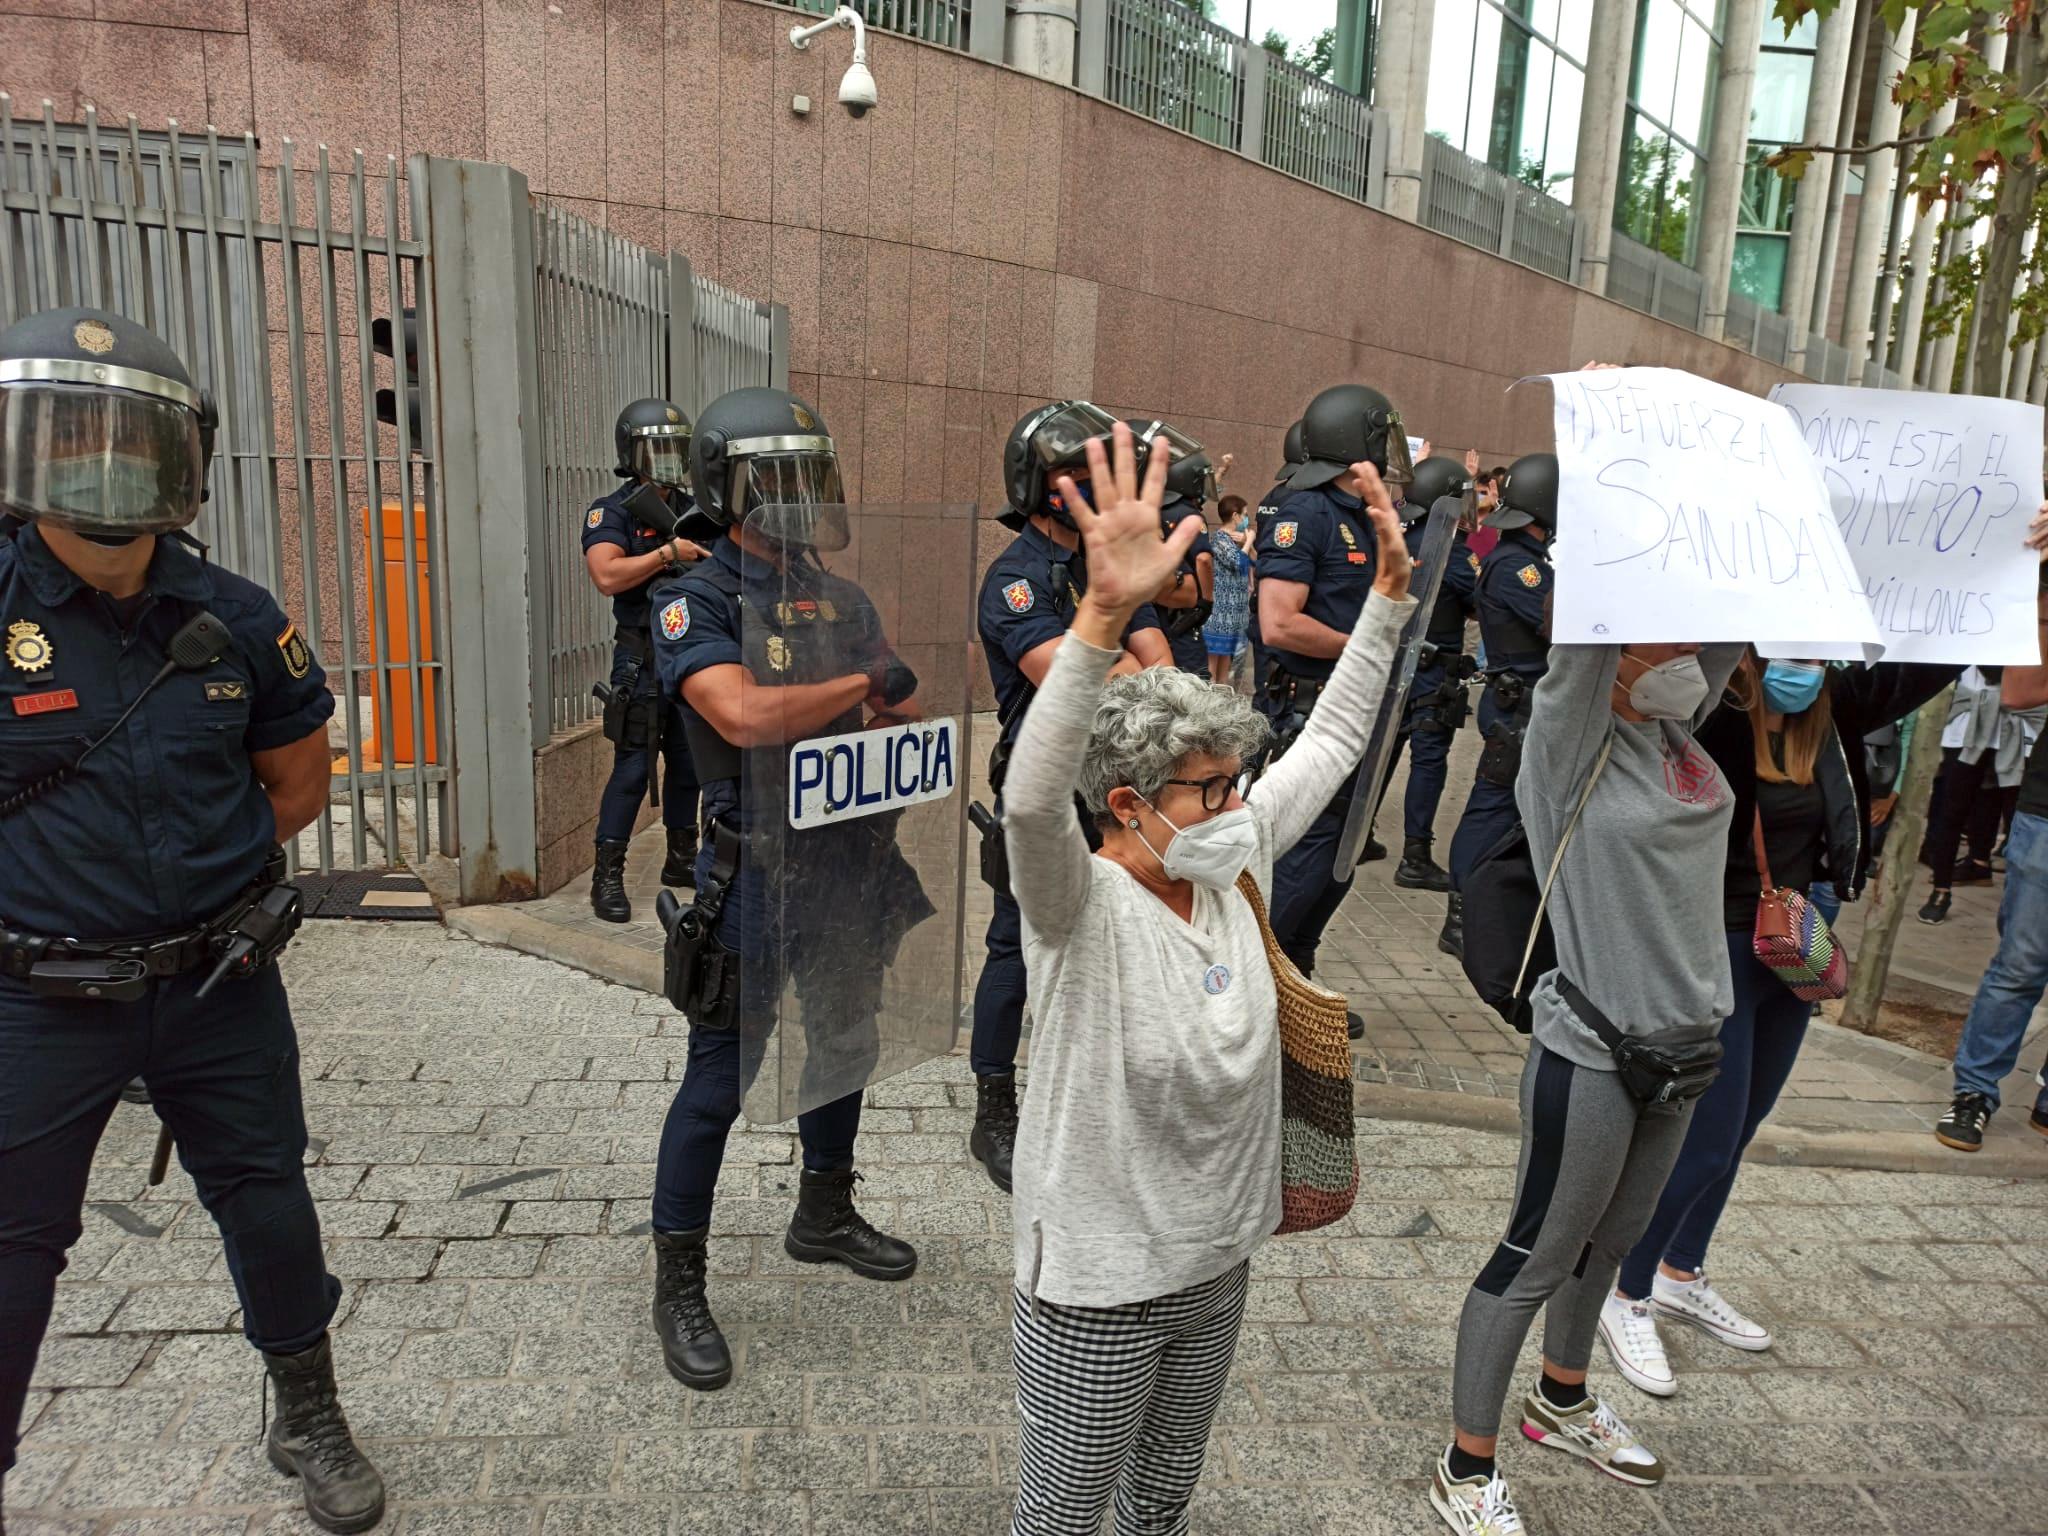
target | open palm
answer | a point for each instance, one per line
(1127, 559)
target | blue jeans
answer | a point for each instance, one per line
(1760, 1041)
(2012, 987)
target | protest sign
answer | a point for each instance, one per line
(1691, 511)
(1933, 494)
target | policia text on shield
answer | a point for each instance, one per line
(167, 731)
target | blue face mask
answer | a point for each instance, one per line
(1056, 504)
(1790, 687)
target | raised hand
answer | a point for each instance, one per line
(1127, 559)
(1472, 462)
(2037, 531)
(1393, 566)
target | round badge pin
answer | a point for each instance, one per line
(1216, 980)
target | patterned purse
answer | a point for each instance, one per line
(1792, 939)
(1318, 1138)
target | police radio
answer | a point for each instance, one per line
(197, 645)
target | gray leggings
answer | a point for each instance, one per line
(1593, 1164)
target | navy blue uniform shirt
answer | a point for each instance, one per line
(1457, 599)
(166, 824)
(1324, 540)
(1027, 598)
(1514, 617)
(608, 522)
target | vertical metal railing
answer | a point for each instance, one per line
(170, 230)
(1469, 200)
(1163, 61)
(1315, 131)
(943, 23)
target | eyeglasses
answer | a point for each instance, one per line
(1216, 790)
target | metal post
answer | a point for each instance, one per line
(682, 336)
(1251, 132)
(985, 25)
(1091, 58)
(487, 366)
(778, 345)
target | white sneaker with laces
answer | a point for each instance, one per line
(1696, 1302)
(1592, 1432)
(1629, 1330)
(1474, 1506)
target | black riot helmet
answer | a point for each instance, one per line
(1345, 424)
(1190, 477)
(763, 459)
(1045, 443)
(101, 428)
(1292, 454)
(1528, 495)
(653, 442)
(1435, 478)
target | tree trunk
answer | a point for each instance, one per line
(2012, 213)
(1871, 965)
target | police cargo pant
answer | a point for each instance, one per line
(619, 806)
(1306, 890)
(1429, 757)
(831, 968)
(224, 1075)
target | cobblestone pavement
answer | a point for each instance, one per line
(484, 1127)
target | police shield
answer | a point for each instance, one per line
(1439, 531)
(855, 858)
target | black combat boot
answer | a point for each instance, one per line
(995, 1125)
(608, 883)
(827, 1227)
(1452, 939)
(1417, 871)
(1375, 850)
(309, 1440)
(680, 867)
(690, 1341)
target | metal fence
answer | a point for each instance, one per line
(275, 308)
(1469, 200)
(1311, 129)
(941, 22)
(1163, 61)
(1652, 282)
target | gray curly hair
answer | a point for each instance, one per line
(1148, 725)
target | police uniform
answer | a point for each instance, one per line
(1514, 630)
(633, 680)
(1323, 539)
(1027, 598)
(1183, 626)
(1436, 698)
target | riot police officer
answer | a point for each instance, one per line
(630, 539)
(1027, 601)
(1315, 559)
(1437, 703)
(164, 728)
(1514, 633)
(1290, 460)
(1184, 603)
(749, 691)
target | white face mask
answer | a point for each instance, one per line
(1671, 690)
(1212, 853)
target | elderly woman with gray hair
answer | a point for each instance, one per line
(1148, 1146)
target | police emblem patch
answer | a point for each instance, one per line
(1473, 561)
(1350, 541)
(94, 336)
(28, 648)
(804, 419)
(1529, 576)
(1019, 596)
(675, 619)
(778, 654)
(298, 656)
(1284, 534)
(596, 517)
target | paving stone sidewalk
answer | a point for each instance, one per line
(484, 1133)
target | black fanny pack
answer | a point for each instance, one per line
(1653, 1072)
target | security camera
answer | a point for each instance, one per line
(857, 90)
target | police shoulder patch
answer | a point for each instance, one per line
(298, 656)
(596, 516)
(675, 619)
(1530, 576)
(1284, 534)
(1019, 596)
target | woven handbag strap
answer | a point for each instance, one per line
(1763, 862)
(1557, 859)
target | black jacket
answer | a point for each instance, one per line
(1863, 698)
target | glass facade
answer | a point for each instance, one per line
(1505, 81)
(1670, 107)
(1777, 116)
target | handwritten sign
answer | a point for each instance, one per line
(1691, 511)
(863, 773)
(1933, 494)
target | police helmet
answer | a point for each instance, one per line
(1047, 442)
(763, 459)
(1435, 478)
(1529, 494)
(1190, 477)
(1345, 424)
(1291, 452)
(101, 429)
(653, 442)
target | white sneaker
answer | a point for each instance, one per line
(1592, 1433)
(1629, 1329)
(1696, 1302)
(1474, 1506)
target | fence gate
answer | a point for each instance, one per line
(290, 292)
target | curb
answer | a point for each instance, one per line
(606, 960)
(1775, 1145)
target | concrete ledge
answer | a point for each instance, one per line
(1781, 1146)
(602, 958)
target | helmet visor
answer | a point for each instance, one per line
(1400, 462)
(1060, 441)
(1198, 483)
(796, 499)
(664, 459)
(99, 460)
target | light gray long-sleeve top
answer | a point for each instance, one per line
(1148, 1142)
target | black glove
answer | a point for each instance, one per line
(893, 681)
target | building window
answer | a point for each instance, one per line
(1663, 161)
(1505, 80)
(1777, 117)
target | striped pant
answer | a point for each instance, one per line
(1117, 1402)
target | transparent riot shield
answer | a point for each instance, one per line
(853, 872)
(1439, 531)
